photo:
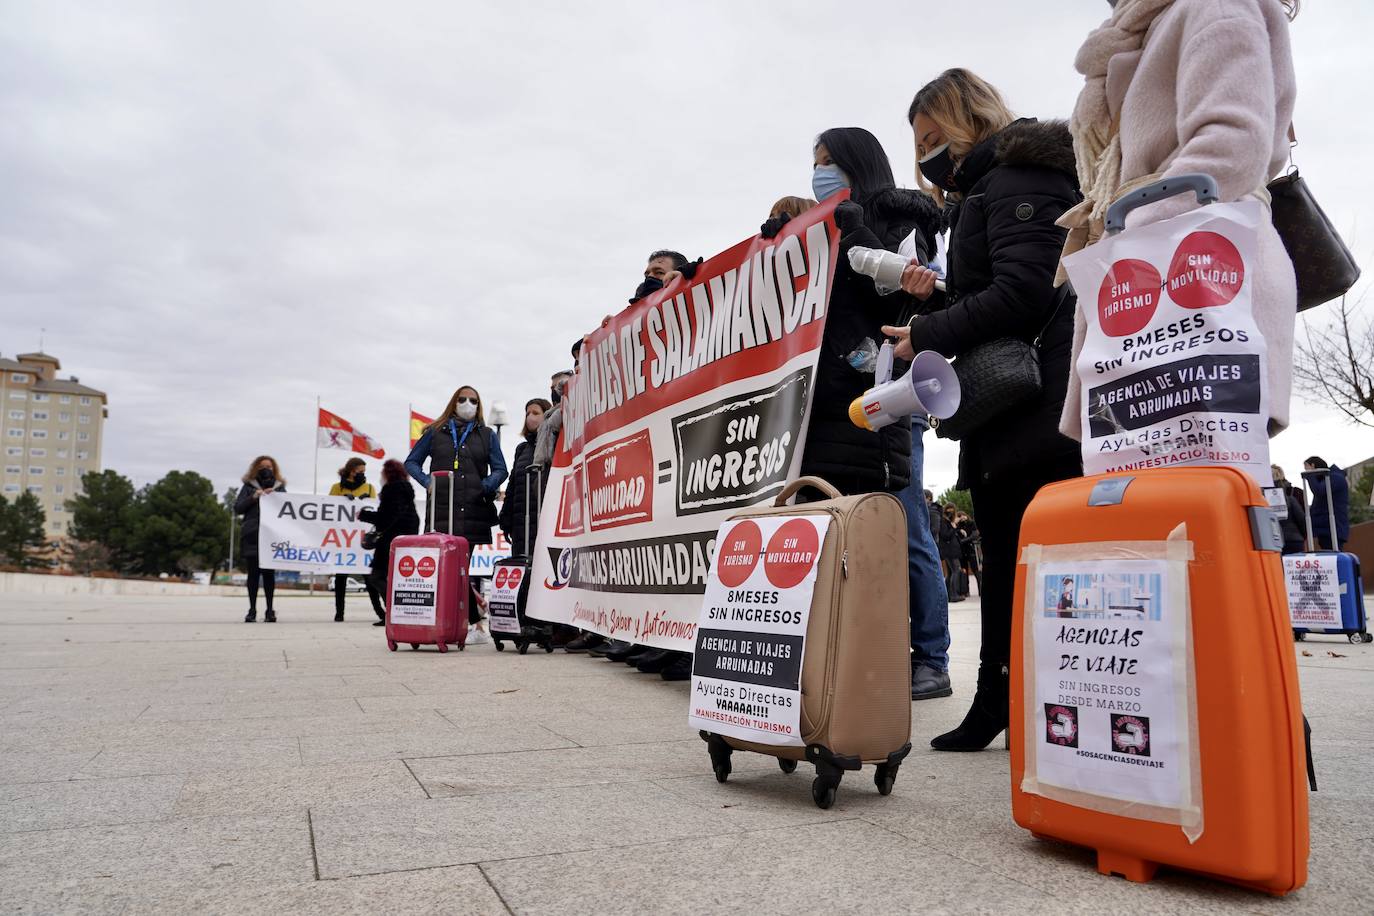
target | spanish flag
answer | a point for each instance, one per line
(418, 422)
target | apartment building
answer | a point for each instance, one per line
(53, 429)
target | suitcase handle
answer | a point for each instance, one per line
(815, 483)
(433, 484)
(1204, 186)
(1311, 477)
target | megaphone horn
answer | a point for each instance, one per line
(930, 387)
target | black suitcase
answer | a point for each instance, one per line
(511, 582)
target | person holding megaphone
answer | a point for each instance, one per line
(1008, 180)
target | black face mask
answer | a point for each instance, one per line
(555, 395)
(266, 477)
(939, 169)
(358, 479)
(650, 286)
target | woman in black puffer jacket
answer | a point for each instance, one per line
(1009, 181)
(877, 215)
(394, 516)
(519, 500)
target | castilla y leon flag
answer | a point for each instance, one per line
(418, 422)
(336, 432)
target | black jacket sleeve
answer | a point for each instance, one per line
(244, 502)
(1020, 206)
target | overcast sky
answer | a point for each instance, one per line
(220, 211)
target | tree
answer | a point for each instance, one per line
(102, 513)
(1360, 509)
(1335, 364)
(22, 542)
(962, 499)
(86, 557)
(178, 525)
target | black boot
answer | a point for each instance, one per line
(270, 616)
(251, 616)
(986, 718)
(338, 616)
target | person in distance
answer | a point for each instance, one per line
(460, 441)
(263, 477)
(394, 516)
(1008, 181)
(353, 484)
(1321, 510)
(518, 499)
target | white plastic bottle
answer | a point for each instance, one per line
(885, 267)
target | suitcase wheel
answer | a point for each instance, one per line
(391, 644)
(1357, 638)
(722, 771)
(522, 647)
(1299, 635)
(884, 777)
(1369, 637)
(500, 646)
(415, 646)
(443, 647)
(720, 755)
(787, 766)
(822, 793)
(548, 647)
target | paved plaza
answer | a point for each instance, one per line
(158, 755)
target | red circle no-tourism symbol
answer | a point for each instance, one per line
(406, 565)
(791, 553)
(1128, 297)
(739, 554)
(1206, 271)
(425, 566)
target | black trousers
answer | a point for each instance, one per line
(341, 590)
(268, 578)
(998, 506)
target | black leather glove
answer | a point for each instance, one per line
(689, 270)
(849, 216)
(773, 225)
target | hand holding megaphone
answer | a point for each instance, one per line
(930, 387)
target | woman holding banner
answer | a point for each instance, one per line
(1008, 181)
(519, 500)
(394, 516)
(353, 484)
(263, 477)
(460, 441)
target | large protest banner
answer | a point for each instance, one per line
(312, 533)
(689, 404)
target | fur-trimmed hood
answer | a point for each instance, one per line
(1047, 144)
(894, 212)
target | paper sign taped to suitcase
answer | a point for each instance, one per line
(746, 668)
(689, 404)
(1314, 590)
(505, 594)
(1110, 682)
(1173, 365)
(414, 585)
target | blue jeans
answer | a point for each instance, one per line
(929, 600)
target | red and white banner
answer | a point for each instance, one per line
(689, 404)
(336, 432)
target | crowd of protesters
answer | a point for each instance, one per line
(1000, 199)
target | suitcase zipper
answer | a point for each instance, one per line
(832, 643)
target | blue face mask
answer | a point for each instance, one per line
(827, 180)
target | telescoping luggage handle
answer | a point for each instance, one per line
(1308, 477)
(1204, 186)
(815, 483)
(433, 482)
(535, 471)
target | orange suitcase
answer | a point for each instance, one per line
(1155, 711)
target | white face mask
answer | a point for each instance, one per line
(466, 412)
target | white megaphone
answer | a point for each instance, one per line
(930, 387)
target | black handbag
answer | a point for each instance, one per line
(996, 376)
(370, 539)
(1323, 265)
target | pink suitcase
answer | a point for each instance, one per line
(427, 586)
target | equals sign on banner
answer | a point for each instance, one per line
(665, 471)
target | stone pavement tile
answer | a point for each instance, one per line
(69, 714)
(171, 709)
(454, 831)
(590, 730)
(149, 757)
(759, 796)
(234, 850)
(440, 741)
(273, 791)
(573, 766)
(18, 766)
(86, 802)
(842, 867)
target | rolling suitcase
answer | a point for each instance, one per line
(855, 661)
(1325, 587)
(1155, 711)
(427, 586)
(510, 584)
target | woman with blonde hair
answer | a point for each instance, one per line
(1006, 181)
(459, 441)
(263, 476)
(1179, 86)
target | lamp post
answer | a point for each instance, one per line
(499, 417)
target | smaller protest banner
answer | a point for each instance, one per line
(1110, 682)
(313, 534)
(503, 616)
(1314, 590)
(751, 636)
(482, 559)
(414, 585)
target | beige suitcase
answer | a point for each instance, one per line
(856, 667)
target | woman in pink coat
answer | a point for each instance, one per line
(1178, 86)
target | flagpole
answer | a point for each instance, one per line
(315, 486)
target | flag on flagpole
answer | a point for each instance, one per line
(418, 422)
(336, 432)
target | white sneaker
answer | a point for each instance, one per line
(477, 637)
